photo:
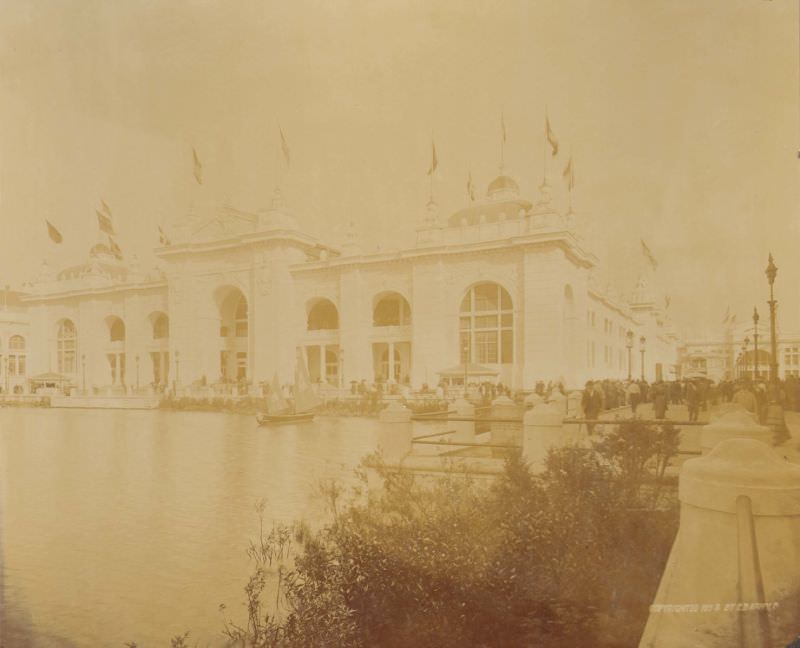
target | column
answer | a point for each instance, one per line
(323, 369)
(390, 377)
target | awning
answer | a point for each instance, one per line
(471, 370)
(50, 378)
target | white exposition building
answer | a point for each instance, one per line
(503, 283)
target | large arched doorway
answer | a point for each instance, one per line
(322, 350)
(391, 338)
(115, 350)
(66, 347)
(234, 332)
(158, 348)
(486, 325)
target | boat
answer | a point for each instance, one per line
(280, 411)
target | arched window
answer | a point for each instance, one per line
(392, 310)
(66, 347)
(486, 325)
(161, 327)
(240, 317)
(323, 316)
(16, 356)
(117, 330)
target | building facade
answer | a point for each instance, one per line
(503, 283)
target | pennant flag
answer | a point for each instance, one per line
(106, 209)
(53, 233)
(105, 224)
(470, 188)
(667, 302)
(285, 148)
(649, 255)
(551, 138)
(569, 175)
(732, 320)
(162, 237)
(434, 160)
(115, 249)
(198, 168)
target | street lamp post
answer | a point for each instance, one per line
(466, 363)
(629, 344)
(746, 368)
(755, 342)
(83, 371)
(137, 372)
(641, 350)
(177, 380)
(771, 272)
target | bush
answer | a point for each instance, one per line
(571, 557)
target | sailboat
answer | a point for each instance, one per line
(305, 400)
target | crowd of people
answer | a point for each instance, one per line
(764, 399)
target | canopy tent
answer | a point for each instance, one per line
(49, 380)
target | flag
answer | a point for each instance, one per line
(667, 302)
(54, 234)
(649, 255)
(732, 320)
(162, 237)
(106, 209)
(551, 138)
(503, 126)
(569, 175)
(434, 160)
(105, 224)
(115, 249)
(727, 315)
(470, 187)
(285, 148)
(198, 168)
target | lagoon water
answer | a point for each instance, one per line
(121, 526)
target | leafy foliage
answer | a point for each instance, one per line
(570, 557)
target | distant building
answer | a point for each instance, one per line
(727, 357)
(14, 343)
(503, 283)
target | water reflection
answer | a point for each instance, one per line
(120, 526)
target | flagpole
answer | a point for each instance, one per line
(544, 149)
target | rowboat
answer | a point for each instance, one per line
(277, 419)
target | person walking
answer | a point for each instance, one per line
(660, 399)
(592, 403)
(634, 396)
(693, 400)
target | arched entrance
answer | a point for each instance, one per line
(115, 351)
(234, 332)
(322, 341)
(391, 335)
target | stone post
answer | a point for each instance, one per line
(503, 407)
(394, 436)
(464, 430)
(734, 424)
(732, 577)
(542, 429)
(532, 400)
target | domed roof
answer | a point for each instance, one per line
(503, 183)
(100, 249)
(490, 212)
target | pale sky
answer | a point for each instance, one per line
(682, 117)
